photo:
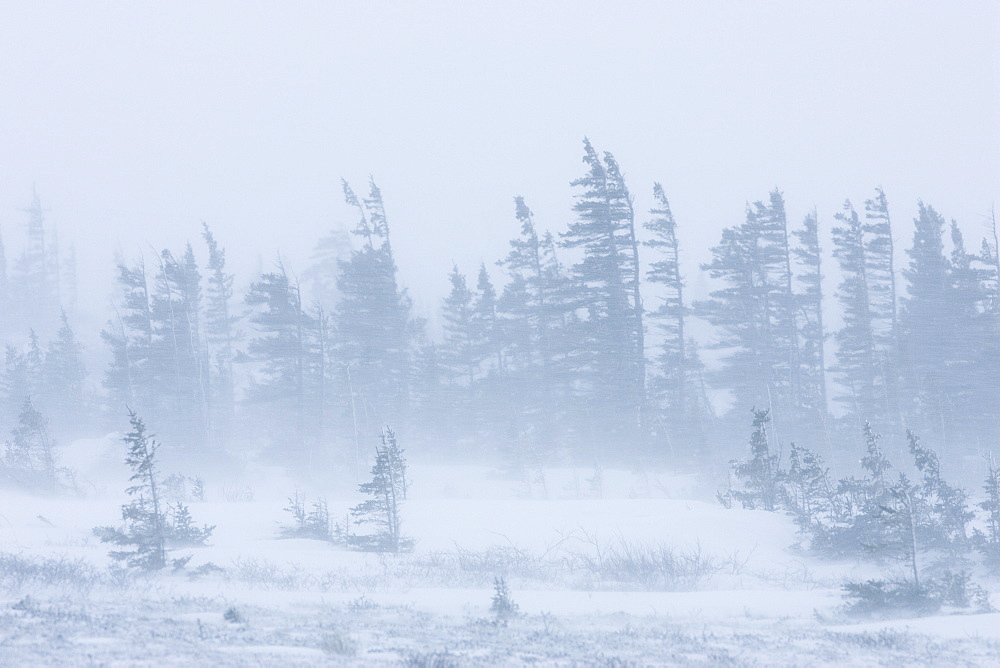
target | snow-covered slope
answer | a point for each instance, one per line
(738, 591)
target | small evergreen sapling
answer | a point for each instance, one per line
(313, 524)
(181, 530)
(503, 606)
(29, 460)
(760, 474)
(807, 491)
(386, 490)
(145, 525)
(148, 530)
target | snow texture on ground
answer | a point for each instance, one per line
(751, 600)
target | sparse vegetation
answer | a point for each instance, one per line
(387, 490)
(502, 605)
(148, 530)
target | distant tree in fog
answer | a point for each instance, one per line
(812, 333)
(755, 312)
(281, 350)
(680, 408)
(62, 387)
(29, 460)
(610, 356)
(375, 330)
(387, 490)
(861, 375)
(220, 336)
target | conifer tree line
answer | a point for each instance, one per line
(575, 346)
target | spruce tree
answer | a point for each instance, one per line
(534, 311)
(489, 332)
(760, 474)
(610, 362)
(6, 321)
(280, 350)
(176, 361)
(220, 335)
(675, 386)
(129, 378)
(881, 276)
(63, 379)
(145, 530)
(755, 313)
(387, 490)
(926, 324)
(859, 373)
(33, 286)
(321, 276)
(30, 457)
(374, 326)
(461, 341)
(812, 332)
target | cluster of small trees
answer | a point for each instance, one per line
(922, 523)
(584, 350)
(151, 526)
(40, 282)
(386, 492)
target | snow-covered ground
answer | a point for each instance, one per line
(736, 591)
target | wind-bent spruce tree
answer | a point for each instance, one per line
(859, 373)
(219, 337)
(680, 405)
(281, 350)
(755, 313)
(145, 529)
(881, 275)
(926, 324)
(611, 358)
(387, 489)
(29, 459)
(374, 327)
(62, 382)
(812, 334)
(535, 311)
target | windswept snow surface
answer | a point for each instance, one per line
(739, 592)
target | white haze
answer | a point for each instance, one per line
(137, 121)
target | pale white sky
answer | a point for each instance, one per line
(137, 121)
